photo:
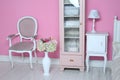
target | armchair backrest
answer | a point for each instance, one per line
(27, 27)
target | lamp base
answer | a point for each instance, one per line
(93, 27)
(93, 31)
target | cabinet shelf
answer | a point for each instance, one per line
(72, 37)
(68, 3)
(71, 27)
(77, 16)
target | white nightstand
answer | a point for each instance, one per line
(96, 46)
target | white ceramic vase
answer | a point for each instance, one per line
(46, 64)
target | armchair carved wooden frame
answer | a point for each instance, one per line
(27, 32)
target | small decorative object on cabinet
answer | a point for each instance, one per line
(72, 33)
(96, 46)
(46, 45)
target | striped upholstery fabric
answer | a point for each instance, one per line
(22, 46)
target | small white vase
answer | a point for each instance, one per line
(46, 64)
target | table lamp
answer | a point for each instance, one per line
(93, 15)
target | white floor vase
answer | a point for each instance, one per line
(46, 64)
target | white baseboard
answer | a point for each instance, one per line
(99, 63)
(93, 63)
(26, 59)
(4, 58)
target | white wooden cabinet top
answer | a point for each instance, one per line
(97, 33)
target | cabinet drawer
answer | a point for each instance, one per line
(71, 60)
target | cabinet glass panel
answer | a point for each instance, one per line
(71, 27)
(71, 44)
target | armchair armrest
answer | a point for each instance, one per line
(12, 36)
(34, 37)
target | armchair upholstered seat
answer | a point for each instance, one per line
(19, 46)
(27, 31)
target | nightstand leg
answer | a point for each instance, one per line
(105, 60)
(87, 63)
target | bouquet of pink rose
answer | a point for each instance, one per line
(48, 45)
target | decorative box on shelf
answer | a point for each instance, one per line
(72, 23)
(71, 11)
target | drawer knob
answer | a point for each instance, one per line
(80, 23)
(71, 60)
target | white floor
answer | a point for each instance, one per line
(22, 71)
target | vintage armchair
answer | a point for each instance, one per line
(27, 32)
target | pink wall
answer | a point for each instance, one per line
(46, 12)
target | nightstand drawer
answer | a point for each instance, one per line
(71, 60)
